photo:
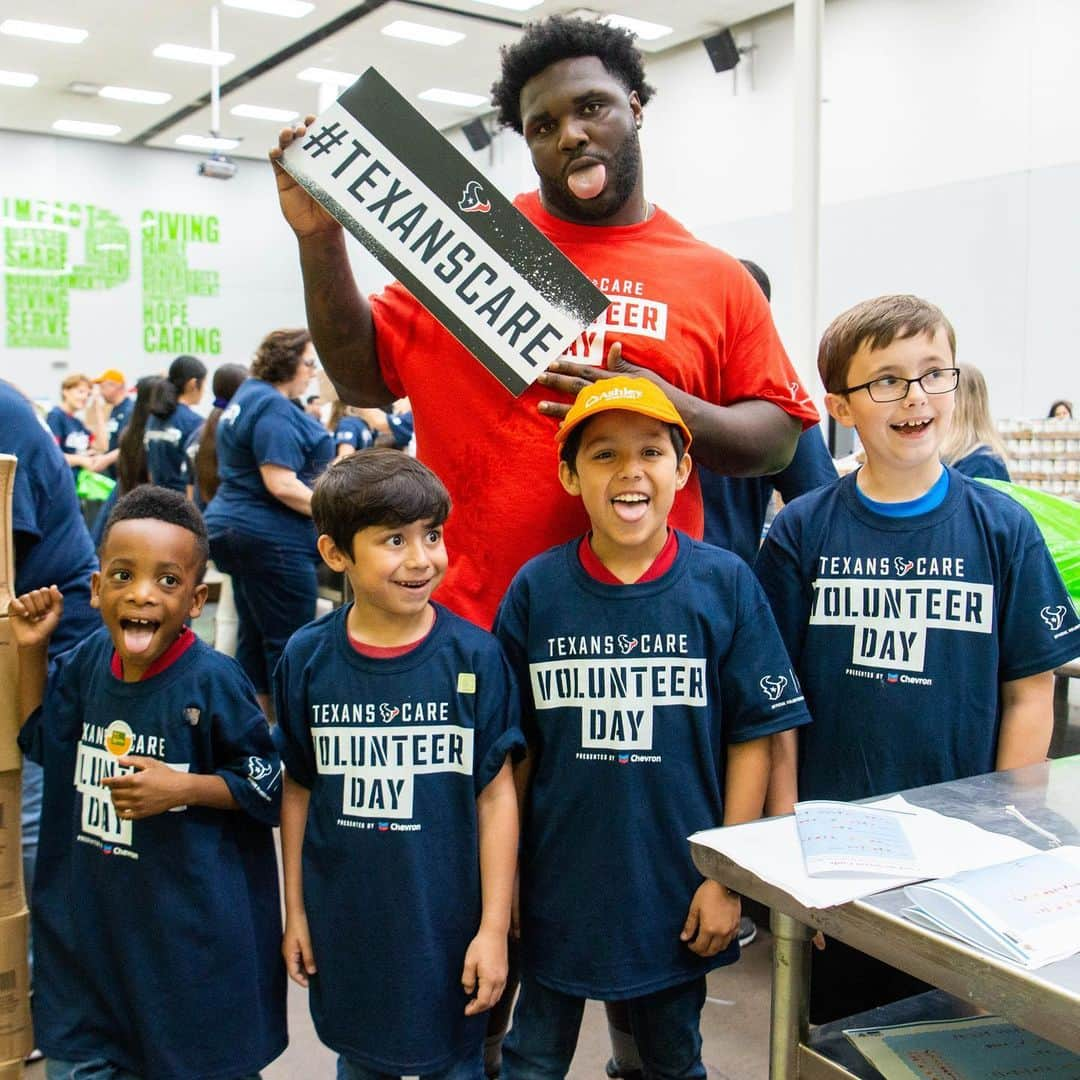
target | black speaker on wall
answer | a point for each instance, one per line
(477, 134)
(722, 50)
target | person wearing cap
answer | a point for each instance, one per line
(652, 676)
(112, 386)
(682, 312)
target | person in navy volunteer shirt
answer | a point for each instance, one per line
(201, 448)
(269, 455)
(71, 434)
(167, 965)
(417, 862)
(736, 508)
(351, 433)
(52, 546)
(922, 610)
(112, 387)
(172, 420)
(653, 676)
(972, 445)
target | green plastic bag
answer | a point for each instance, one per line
(93, 486)
(1059, 522)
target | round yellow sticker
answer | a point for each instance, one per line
(119, 738)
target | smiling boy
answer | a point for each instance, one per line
(161, 788)
(922, 610)
(656, 676)
(399, 823)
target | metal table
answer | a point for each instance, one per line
(1046, 1001)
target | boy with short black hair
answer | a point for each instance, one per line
(657, 676)
(399, 822)
(166, 964)
(922, 611)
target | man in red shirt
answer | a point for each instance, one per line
(682, 313)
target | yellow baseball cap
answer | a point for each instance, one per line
(627, 393)
(112, 375)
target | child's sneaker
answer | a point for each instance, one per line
(747, 931)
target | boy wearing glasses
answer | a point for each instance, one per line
(921, 609)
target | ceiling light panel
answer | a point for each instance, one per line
(206, 142)
(65, 35)
(17, 78)
(646, 31)
(191, 55)
(426, 35)
(85, 127)
(130, 93)
(262, 112)
(326, 75)
(454, 97)
(290, 9)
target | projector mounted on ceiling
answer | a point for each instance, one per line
(218, 167)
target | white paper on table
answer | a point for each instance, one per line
(943, 845)
(852, 838)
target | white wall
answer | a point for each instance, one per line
(951, 145)
(951, 159)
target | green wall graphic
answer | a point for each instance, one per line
(168, 282)
(39, 244)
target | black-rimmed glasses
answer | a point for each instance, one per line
(896, 387)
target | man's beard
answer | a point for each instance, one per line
(623, 171)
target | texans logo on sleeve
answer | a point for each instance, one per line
(1054, 617)
(773, 686)
(258, 768)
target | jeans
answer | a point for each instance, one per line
(98, 1069)
(275, 591)
(665, 1026)
(470, 1067)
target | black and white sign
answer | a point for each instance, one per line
(440, 227)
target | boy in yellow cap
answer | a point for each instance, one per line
(653, 675)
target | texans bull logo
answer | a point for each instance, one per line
(1054, 617)
(903, 566)
(773, 685)
(258, 768)
(388, 712)
(627, 644)
(472, 199)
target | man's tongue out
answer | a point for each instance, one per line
(587, 183)
(137, 636)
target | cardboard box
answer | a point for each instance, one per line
(10, 757)
(12, 899)
(16, 1032)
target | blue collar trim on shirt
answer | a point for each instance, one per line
(931, 500)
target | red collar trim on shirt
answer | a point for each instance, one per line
(660, 565)
(388, 652)
(166, 659)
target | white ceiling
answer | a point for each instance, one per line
(123, 34)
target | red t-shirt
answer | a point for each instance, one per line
(681, 308)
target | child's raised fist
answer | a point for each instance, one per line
(35, 615)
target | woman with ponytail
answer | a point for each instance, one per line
(202, 445)
(172, 422)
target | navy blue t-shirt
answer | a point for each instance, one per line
(263, 427)
(632, 694)
(352, 431)
(736, 507)
(52, 545)
(72, 435)
(156, 942)
(903, 628)
(982, 462)
(165, 440)
(119, 416)
(395, 753)
(401, 428)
